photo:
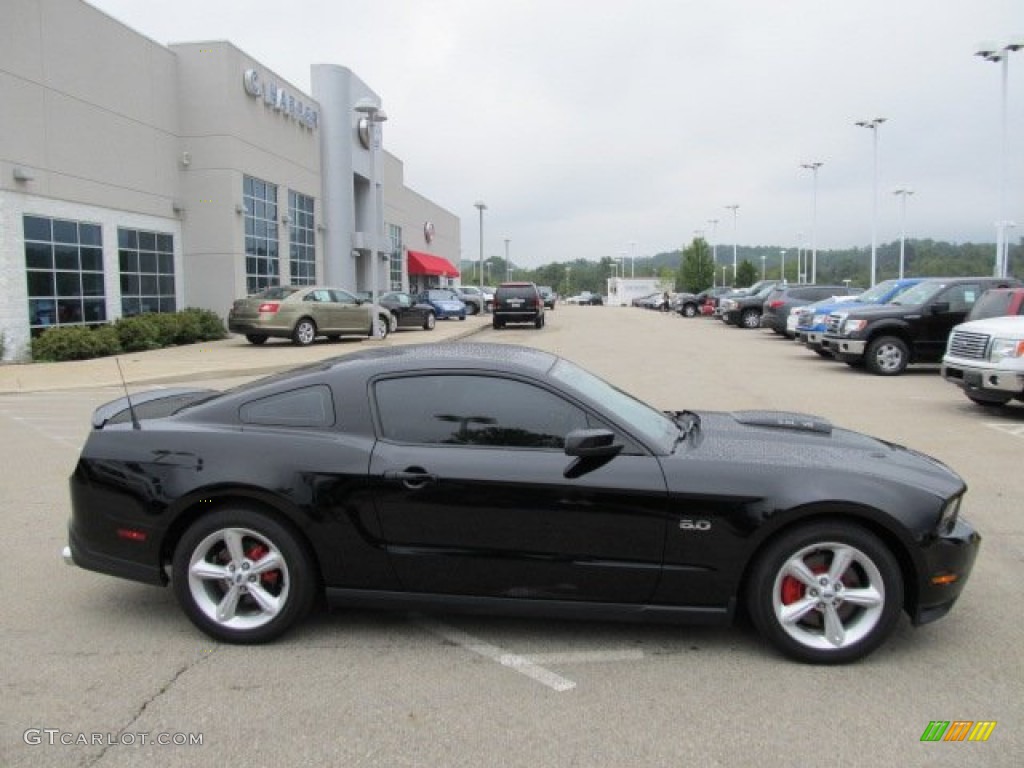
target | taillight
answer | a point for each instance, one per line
(131, 534)
(775, 304)
(269, 306)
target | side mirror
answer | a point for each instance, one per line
(940, 308)
(592, 443)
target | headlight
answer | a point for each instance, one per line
(1006, 348)
(820, 319)
(950, 513)
(852, 326)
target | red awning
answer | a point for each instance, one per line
(427, 264)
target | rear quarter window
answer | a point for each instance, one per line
(306, 407)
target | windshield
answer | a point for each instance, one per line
(440, 295)
(654, 426)
(919, 294)
(874, 295)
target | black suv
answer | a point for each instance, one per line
(518, 303)
(913, 328)
(778, 303)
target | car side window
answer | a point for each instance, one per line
(474, 410)
(960, 297)
(341, 297)
(306, 407)
(319, 295)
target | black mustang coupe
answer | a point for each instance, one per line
(495, 478)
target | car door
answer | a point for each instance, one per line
(474, 496)
(350, 313)
(319, 304)
(947, 309)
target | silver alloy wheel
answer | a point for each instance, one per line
(238, 578)
(383, 326)
(305, 332)
(430, 322)
(888, 357)
(834, 604)
(751, 319)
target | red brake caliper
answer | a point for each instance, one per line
(793, 589)
(256, 553)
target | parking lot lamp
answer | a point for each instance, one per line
(872, 125)
(734, 208)
(374, 116)
(813, 168)
(903, 193)
(480, 206)
(1001, 55)
(508, 264)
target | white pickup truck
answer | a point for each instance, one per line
(985, 358)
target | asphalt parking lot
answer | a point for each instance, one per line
(115, 664)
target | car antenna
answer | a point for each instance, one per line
(131, 408)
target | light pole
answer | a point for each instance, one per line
(734, 207)
(508, 264)
(801, 268)
(782, 270)
(632, 258)
(813, 168)
(903, 193)
(481, 206)
(568, 281)
(374, 116)
(763, 261)
(714, 247)
(1001, 55)
(872, 125)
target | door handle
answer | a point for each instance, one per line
(412, 478)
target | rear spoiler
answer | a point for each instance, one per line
(152, 404)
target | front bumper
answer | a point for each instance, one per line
(974, 378)
(946, 556)
(841, 346)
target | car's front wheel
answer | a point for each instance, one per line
(826, 593)
(750, 318)
(242, 577)
(304, 332)
(380, 331)
(256, 338)
(429, 322)
(887, 356)
(689, 310)
(989, 401)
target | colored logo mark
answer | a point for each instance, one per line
(958, 730)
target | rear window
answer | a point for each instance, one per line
(991, 304)
(276, 292)
(518, 291)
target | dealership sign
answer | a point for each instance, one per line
(279, 99)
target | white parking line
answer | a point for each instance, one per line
(1016, 430)
(520, 664)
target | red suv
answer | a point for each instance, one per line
(518, 303)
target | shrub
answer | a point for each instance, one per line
(137, 333)
(210, 326)
(75, 342)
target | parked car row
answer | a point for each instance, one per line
(973, 326)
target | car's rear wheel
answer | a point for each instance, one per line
(497, 324)
(304, 332)
(750, 318)
(887, 356)
(689, 310)
(380, 332)
(471, 308)
(242, 577)
(255, 338)
(539, 322)
(826, 593)
(429, 322)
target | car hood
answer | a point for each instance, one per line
(792, 454)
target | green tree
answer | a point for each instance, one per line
(696, 269)
(746, 274)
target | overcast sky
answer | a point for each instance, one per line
(586, 124)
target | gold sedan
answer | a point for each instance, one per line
(301, 313)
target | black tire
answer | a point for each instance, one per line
(383, 328)
(689, 310)
(750, 319)
(887, 356)
(824, 353)
(861, 603)
(333, 336)
(430, 321)
(538, 323)
(471, 308)
(989, 401)
(497, 324)
(256, 338)
(304, 332)
(269, 600)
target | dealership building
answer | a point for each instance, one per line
(137, 177)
